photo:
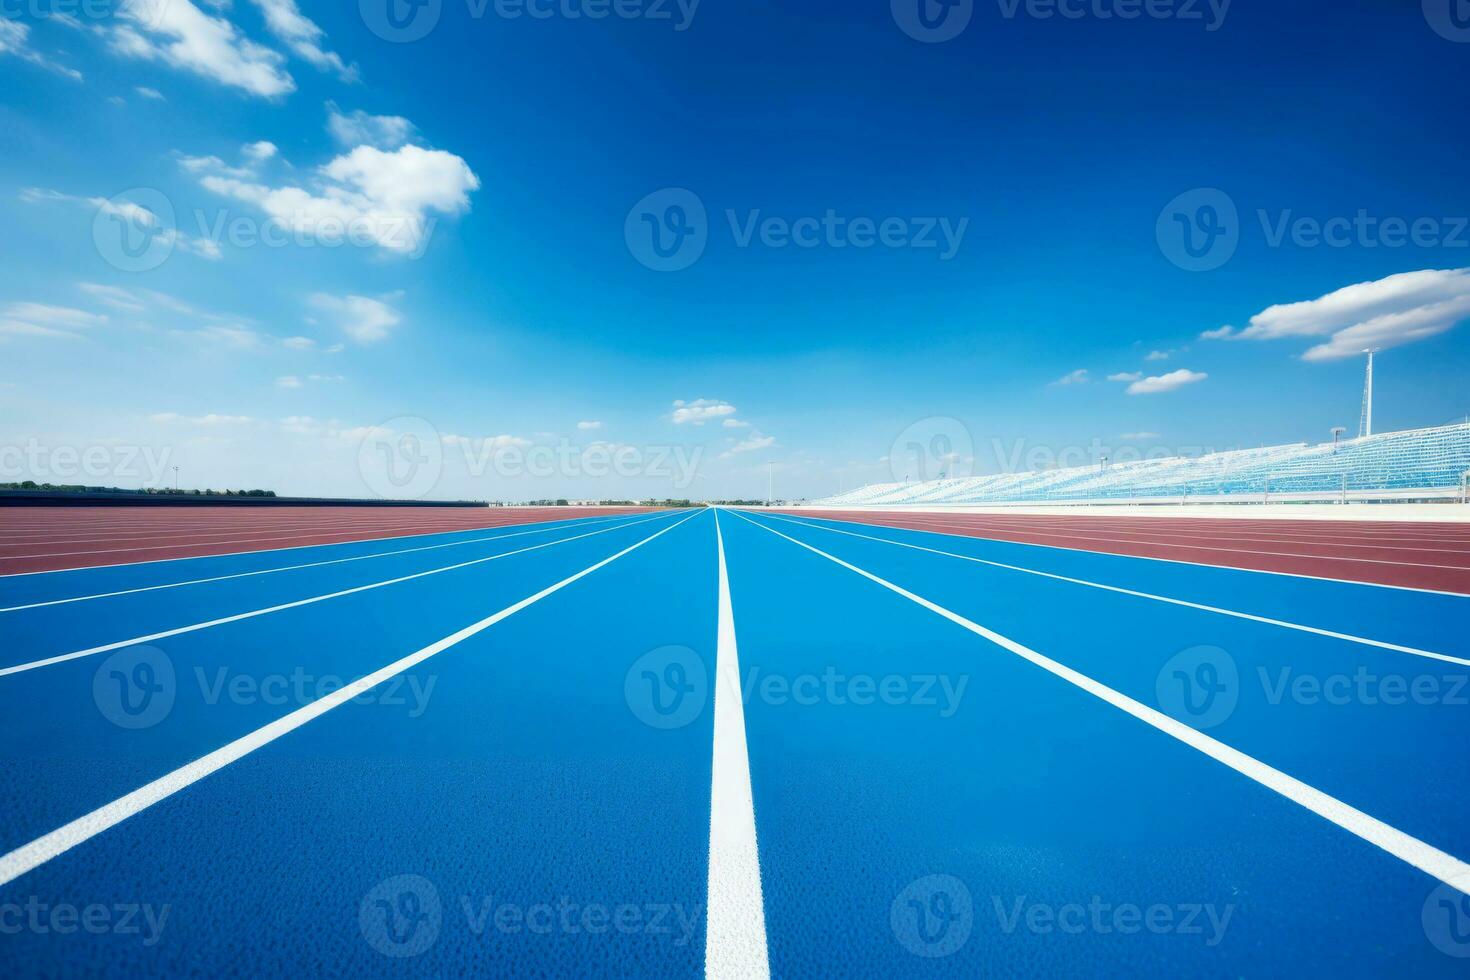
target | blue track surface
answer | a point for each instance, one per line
(534, 799)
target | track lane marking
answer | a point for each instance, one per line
(289, 547)
(252, 614)
(1074, 536)
(735, 933)
(1125, 554)
(291, 568)
(1426, 857)
(29, 856)
(1349, 637)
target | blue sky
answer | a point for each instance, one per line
(989, 219)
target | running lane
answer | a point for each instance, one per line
(34, 539)
(84, 731)
(928, 802)
(1421, 555)
(538, 816)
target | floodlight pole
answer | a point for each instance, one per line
(1365, 421)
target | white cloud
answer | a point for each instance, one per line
(362, 318)
(211, 419)
(366, 195)
(484, 444)
(1139, 436)
(289, 381)
(358, 128)
(298, 343)
(238, 338)
(1126, 376)
(735, 424)
(41, 314)
(700, 411)
(135, 300)
(751, 443)
(1166, 382)
(178, 33)
(135, 214)
(20, 328)
(1387, 312)
(325, 378)
(589, 426)
(259, 151)
(114, 296)
(1158, 355)
(15, 40)
(149, 93)
(1077, 377)
(302, 35)
(1219, 333)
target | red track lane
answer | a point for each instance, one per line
(192, 532)
(1415, 555)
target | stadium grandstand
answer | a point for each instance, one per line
(1416, 465)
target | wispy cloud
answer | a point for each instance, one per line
(1166, 382)
(363, 318)
(304, 37)
(178, 33)
(15, 41)
(1077, 377)
(1389, 312)
(700, 411)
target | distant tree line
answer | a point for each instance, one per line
(148, 491)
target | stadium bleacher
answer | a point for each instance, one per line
(1417, 464)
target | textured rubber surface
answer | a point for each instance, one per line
(535, 800)
(1417, 555)
(36, 539)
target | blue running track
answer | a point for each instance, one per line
(498, 757)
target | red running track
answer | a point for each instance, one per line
(40, 539)
(1416, 555)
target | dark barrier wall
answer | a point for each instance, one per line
(67, 498)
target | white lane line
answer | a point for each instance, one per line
(1120, 554)
(570, 521)
(735, 933)
(1411, 850)
(292, 568)
(1381, 644)
(1074, 536)
(27, 857)
(164, 634)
